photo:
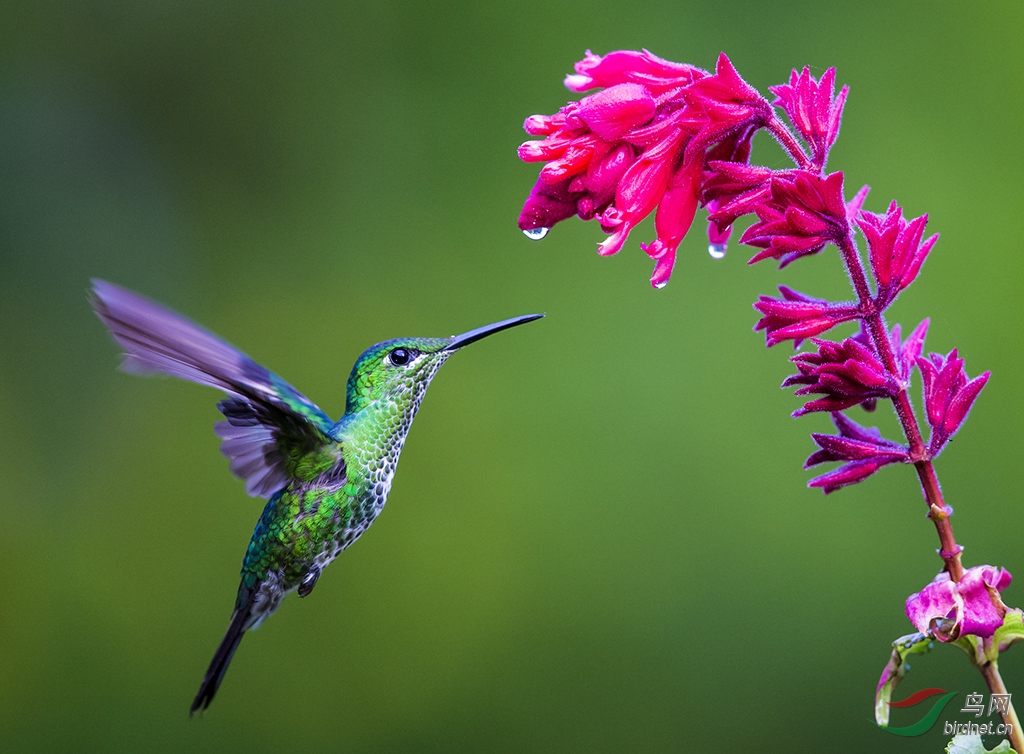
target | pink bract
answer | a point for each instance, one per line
(948, 610)
(814, 109)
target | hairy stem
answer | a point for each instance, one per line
(990, 671)
(789, 142)
(876, 327)
(937, 510)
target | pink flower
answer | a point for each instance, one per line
(803, 213)
(723, 104)
(672, 221)
(906, 351)
(583, 170)
(948, 395)
(797, 316)
(733, 189)
(895, 250)
(595, 189)
(948, 610)
(640, 143)
(845, 373)
(689, 134)
(547, 204)
(864, 450)
(614, 111)
(638, 192)
(612, 156)
(622, 66)
(813, 109)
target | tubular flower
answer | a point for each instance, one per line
(908, 351)
(948, 610)
(845, 373)
(904, 351)
(803, 213)
(641, 142)
(583, 170)
(797, 316)
(547, 204)
(948, 395)
(623, 66)
(733, 189)
(672, 221)
(733, 151)
(864, 450)
(638, 192)
(814, 109)
(722, 104)
(895, 250)
(613, 156)
(671, 132)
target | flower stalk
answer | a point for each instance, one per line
(938, 512)
(669, 137)
(994, 681)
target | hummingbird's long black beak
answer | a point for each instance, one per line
(458, 341)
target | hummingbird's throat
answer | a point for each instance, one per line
(376, 437)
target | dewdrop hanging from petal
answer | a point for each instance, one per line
(640, 143)
(690, 133)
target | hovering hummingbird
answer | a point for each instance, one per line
(326, 481)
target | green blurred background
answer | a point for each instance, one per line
(600, 538)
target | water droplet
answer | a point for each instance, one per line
(661, 284)
(717, 250)
(535, 234)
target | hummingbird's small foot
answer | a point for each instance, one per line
(308, 582)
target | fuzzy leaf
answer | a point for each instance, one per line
(973, 745)
(1011, 631)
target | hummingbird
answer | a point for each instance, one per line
(325, 481)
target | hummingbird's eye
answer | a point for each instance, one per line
(400, 357)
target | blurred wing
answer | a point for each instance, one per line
(271, 427)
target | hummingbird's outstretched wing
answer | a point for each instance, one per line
(271, 427)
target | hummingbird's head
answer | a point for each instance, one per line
(400, 370)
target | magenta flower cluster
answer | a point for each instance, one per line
(669, 138)
(643, 141)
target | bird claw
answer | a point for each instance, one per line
(308, 582)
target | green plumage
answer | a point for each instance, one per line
(298, 524)
(326, 482)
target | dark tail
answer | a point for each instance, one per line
(221, 660)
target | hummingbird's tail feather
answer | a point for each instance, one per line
(221, 660)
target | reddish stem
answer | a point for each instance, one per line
(789, 142)
(937, 510)
(990, 671)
